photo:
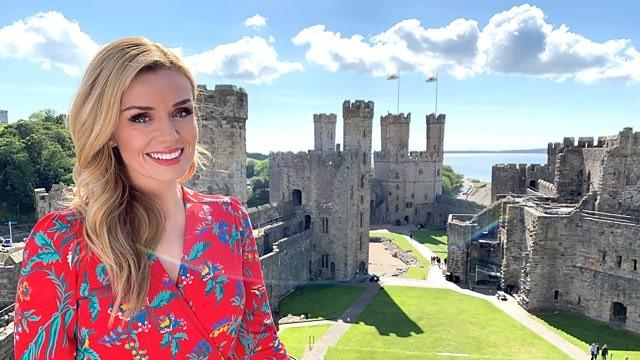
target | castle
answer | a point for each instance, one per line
(4, 117)
(563, 235)
(407, 184)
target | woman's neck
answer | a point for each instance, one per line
(168, 196)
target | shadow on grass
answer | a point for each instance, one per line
(588, 331)
(429, 237)
(320, 300)
(388, 318)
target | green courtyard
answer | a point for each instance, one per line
(421, 323)
(435, 240)
(582, 331)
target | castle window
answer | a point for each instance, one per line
(364, 159)
(360, 242)
(533, 168)
(635, 264)
(361, 181)
(397, 176)
(361, 199)
(438, 172)
(420, 171)
(413, 196)
(361, 218)
(325, 225)
(579, 299)
(396, 208)
(325, 261)
(364, 133)
(397, 186)
(556, 295)
(618, 261)
(415, 211)
(604, 257)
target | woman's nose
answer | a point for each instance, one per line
(168, 129)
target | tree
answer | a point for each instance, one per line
(451, 181)
(33, 153)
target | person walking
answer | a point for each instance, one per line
(593, 350)
(605, 352)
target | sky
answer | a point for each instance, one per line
(511, 75)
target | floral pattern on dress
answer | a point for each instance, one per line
(216, 309)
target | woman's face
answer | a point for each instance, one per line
(156, 132)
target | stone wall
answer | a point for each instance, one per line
(222, 114)
(287, 266)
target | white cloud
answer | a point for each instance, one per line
(48, 39)
(252, 59)
(515, 41)
(52, 41)
(256, 21)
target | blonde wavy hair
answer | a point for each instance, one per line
(122, 225)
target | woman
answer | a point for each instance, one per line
(139, 266)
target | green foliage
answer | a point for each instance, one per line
(451, 181)
(257, 156)
(258, 176)
(34, 153)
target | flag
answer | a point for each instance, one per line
(392, 77)
(432, 78)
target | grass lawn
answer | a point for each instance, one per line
(326, 301)
(296, 339)
(582, 331)
(421, 323)
(413, 272)
(436, 241)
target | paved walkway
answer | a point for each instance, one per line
(334, 333)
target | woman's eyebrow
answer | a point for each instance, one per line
(146, 108)
(182, 102)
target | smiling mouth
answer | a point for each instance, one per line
(166, 155)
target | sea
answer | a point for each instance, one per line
(478, 165)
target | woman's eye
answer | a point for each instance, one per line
(183, 112)
(140, 118)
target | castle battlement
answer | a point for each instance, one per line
(226, 101)
(432, 119)
(382, 156)
(328, 118)
(509, 166)
(585, 142)
(395, 119)
(357, 108)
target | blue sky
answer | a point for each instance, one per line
(511, 74)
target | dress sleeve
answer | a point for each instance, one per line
(258, 334)
(45, 309)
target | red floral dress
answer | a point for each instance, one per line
(217, 309)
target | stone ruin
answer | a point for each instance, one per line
(563, 236)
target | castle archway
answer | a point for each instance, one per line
(296, 194)
(618, 313)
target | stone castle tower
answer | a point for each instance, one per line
(222, 114)
(407, 184)
(334, 185)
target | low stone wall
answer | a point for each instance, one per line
(287, 266)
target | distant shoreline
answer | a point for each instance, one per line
(525, 151)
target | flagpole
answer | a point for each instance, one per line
(398, 102)
(437, 94)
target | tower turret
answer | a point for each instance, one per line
(435, 133)
(358, 120)
(395, 133)
(324, 130)
(222, 114)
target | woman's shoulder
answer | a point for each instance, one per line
(198, 197)
(56, 230)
